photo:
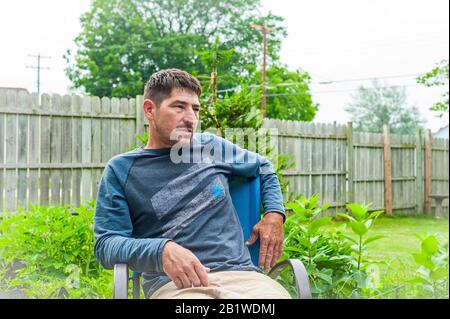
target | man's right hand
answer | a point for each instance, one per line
(183, 267)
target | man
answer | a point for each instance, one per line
(174, 220)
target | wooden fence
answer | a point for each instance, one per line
(54, 152)
(346, 166)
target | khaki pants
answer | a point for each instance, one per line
(228, 285)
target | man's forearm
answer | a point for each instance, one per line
(271, 196)
(140, 254)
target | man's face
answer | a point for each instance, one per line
(176, 119)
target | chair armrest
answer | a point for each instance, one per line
(120, 290)
(300, 275)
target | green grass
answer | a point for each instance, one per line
(396, 249)
(400, 241)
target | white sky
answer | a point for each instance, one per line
(332, 40)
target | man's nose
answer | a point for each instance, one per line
(190, 117)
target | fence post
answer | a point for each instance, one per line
(350, 164)
(140, 118)
(387, 171)
(428, 171)
(419, 172)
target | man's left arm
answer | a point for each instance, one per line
(270, 229)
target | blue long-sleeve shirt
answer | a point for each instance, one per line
(149, 196)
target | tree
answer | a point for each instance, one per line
(437, 77)
(236, 110)
(288, 95)
(123, 42)
(374, 107)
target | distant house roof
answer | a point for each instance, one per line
(442, 132)
(3, 88)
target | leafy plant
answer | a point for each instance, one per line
(360, 221)
(432, 274)
(323, 249)
(55, 246)
(141, 138)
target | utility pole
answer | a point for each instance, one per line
(38, 67)
(264, 29)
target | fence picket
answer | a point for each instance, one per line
(55, 150)
(11, 152)
(33, 152)
(24, 103)
(96, 155)
(86, 149)
(66, 151)
(75, 106)
(2, 146)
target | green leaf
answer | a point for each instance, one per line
(375, 214)
(373, 238)
(358, 227)
(424, 260)
(294, 249)
(346, 216)
(350, 238)
(313, 201)
(439, 273)
(293, 205)
(430, 245)
(418, 280)
(317, 223)
(357, 210)
(298, 209)
(325, 277)
(368, 223)
(305, 242)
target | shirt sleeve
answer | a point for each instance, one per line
(250, 164)
(113, 230)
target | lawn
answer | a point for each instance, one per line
(400, 241)
(396, 250)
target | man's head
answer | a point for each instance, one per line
(171, 105)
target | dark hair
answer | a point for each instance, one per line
(161, 84)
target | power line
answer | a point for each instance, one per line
(367, 79)
(336, 91)
(38, 68)
(271, 86)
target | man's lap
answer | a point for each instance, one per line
(228, 285)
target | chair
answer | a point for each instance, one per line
(245, 194)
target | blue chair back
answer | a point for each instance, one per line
(246, 197)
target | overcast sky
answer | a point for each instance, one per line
(343, 41)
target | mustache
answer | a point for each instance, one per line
(185, 128)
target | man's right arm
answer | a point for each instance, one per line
(113, 231)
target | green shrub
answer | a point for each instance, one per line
(55, 246)
(335, 261)
(432, 272)
(326, 254)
